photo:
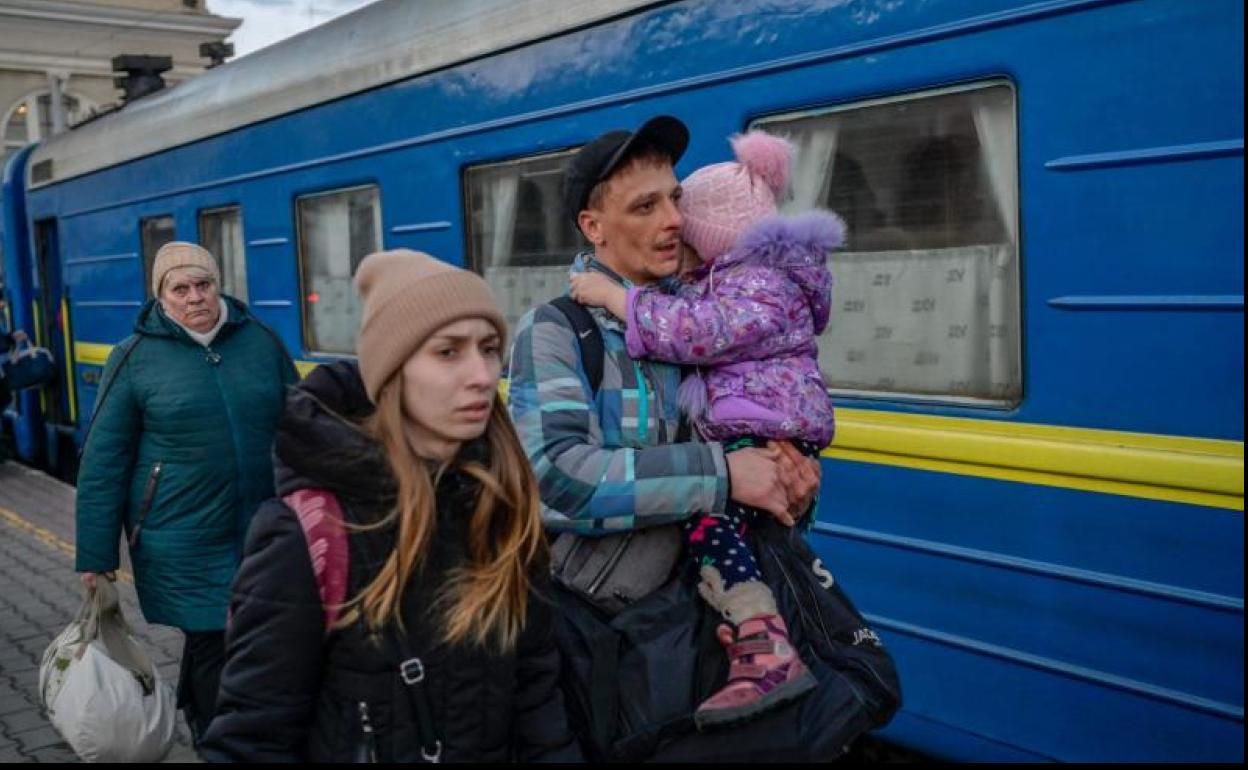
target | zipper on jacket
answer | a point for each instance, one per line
(213, 358)
(643, 404)
(792, 586)
(366, 749)
(149, 494)
(609, 566)
(856, 662)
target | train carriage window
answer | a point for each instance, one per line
(155, 232)
(518, 237)
(336, 231)
(926, 292)
(221, 232)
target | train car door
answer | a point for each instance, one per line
(57, 401)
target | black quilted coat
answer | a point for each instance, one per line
(289, 692)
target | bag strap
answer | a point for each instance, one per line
(320, 517)
(412, 674)
(588, 337)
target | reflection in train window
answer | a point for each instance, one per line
(926, 291)
(518, 235)
(336, 231)
(156, 232)
(221, 232)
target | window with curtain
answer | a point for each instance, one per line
(155, 232)
(926, 290)
(336, 231)
(518, 236)
(221, 232)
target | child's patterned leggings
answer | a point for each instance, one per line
(718, 540)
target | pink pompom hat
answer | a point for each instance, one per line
(721, 201)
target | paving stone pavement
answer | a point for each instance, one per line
(39, 596)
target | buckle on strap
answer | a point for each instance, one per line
(433, 757)
(752, 647)
(413, 671)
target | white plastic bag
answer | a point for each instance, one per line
(102, 693)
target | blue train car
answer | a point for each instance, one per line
(1036, 490)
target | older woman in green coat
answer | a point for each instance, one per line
(178, 455)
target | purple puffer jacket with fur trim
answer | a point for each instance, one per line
(749, 322)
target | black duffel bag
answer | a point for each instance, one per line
(28, 367)
(634, 679)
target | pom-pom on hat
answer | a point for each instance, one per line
(721, 201)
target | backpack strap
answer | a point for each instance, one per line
(588, 337)
(321, 519)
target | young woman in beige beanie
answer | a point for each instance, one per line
(389, 606)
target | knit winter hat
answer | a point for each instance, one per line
(721, 201)
(176, 254)
(407, 297)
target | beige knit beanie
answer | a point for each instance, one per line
(176, 254)
(408, 296)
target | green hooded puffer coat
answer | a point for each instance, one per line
(206, 416)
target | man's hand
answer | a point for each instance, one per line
(757, 481)
(801, 476)
(597, 290)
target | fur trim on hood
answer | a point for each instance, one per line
(789, 241)
(797, 245)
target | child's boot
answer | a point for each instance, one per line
(765, 670)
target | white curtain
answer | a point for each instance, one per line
(234, 255)
(815, 151)
(498, 227)
(994, 124)
(500, 217)
(997, 145)
(1004, 370)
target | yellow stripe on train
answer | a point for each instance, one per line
(1205, 472)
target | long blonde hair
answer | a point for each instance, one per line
(484, 601)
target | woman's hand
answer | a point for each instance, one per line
(597, 290)
(88, 578)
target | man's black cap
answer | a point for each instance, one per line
(599, 159)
